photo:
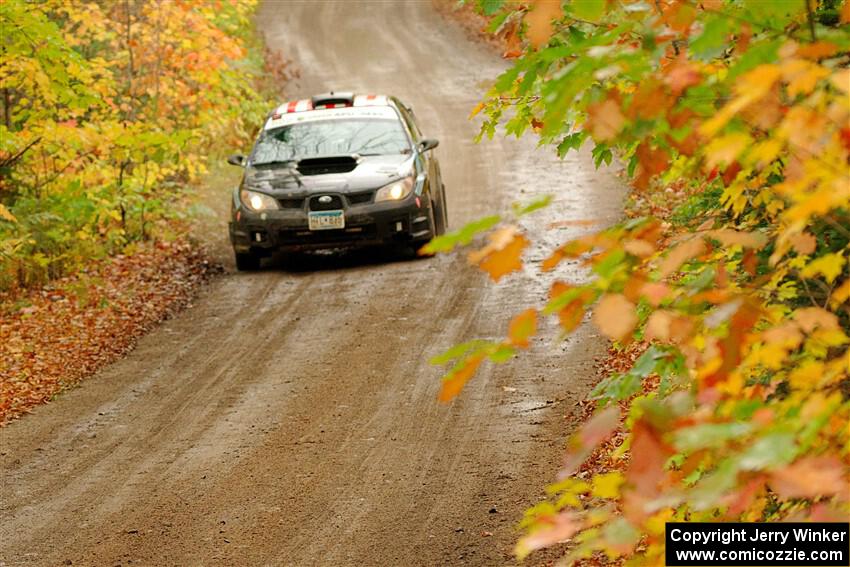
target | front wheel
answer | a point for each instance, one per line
(434, 230)
(247, 262)
(441, 220)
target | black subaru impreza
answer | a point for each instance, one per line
(336, 171)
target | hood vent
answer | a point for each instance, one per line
(323, 165)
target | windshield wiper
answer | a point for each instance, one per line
(405, 151)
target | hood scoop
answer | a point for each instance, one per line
(323, 165)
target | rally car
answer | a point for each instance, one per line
(336, 171)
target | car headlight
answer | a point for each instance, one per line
(256, 202)
(395, 191)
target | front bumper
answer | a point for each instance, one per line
(365, 225)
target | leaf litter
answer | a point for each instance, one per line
(53, 337)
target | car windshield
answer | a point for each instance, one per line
(330, 138)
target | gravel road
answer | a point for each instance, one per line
(289, 417)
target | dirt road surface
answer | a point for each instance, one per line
(289, 416)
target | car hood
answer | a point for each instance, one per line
(369, 172)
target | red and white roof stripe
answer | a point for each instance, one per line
(371, 100)
(293, 106)
(306, 104)
(299, 110)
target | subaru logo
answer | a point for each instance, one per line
(325, 199)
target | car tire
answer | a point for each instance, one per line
(247, 262)
(433, 229)
(440, 215)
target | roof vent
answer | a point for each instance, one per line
(333, 99)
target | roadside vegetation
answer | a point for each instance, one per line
(112, 112)
(725, 291)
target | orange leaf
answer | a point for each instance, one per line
(522, 327)
(681, 254)
(650, 99)
(787, 335)
(729, 237)
(615, 316)
(767, 112)
(572, 249)
(750, 262)
(811, 477)
(666, 326)
(639, 248)
(512, 42)
(802, 75)
(649, 454)
(678, 15)
(651, 162)
(840, 294)
(655, 292)
(605, 120)
(502, 255)
(539, 21)
(596, 430)
(559, 528)
(817, 50)
(506, 260)
(571, 314)
(455, 381)
(733, 346)
(810, 318)
(803, 243)
(681, 75)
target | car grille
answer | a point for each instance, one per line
(359, 198)
(291, 203)
(342, 236)
(334, 204)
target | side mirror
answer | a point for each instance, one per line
(428, 144)
(237, 160)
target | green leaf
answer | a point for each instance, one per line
(616, 388)
(461, 237)
(506, 80)
(714, 485)
(648, 361)
(771, 451)
(756, 55)
(775, 15)
(536, 204)
(458, 350)
(612, 264)
(571, 142)
(709, 435)
(714, 37)
(590, 10)
(601, 154)
(562, 300)
(620, 532)
(490, 7)
(497, 21)
(501, 353)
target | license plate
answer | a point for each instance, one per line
(326, 220)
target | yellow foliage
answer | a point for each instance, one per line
(607, 485)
